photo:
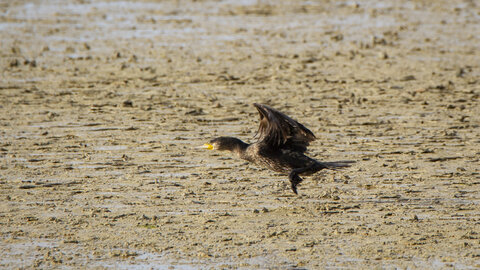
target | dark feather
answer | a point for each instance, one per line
(277, 130)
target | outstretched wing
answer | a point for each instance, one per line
(280, 131)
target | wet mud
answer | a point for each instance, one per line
(103, 103)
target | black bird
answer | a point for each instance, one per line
(280, 147)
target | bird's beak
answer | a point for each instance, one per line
(207, 146)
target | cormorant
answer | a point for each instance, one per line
(280, 147)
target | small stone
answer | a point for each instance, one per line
(382, 55)
(69, 49)
(14, 63)
(128, 103)
(337, 37)
(408, 78)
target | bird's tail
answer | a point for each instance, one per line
(336, 165)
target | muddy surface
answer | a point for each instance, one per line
(102, 104)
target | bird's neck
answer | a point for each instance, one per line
(240, 148)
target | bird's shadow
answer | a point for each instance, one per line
(339, 164)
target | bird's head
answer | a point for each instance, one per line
(224, 144)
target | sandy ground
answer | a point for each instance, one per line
(102, 104)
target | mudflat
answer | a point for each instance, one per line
(103, 103)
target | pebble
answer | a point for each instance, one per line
(382, 55)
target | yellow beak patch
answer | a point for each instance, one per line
(208, 146)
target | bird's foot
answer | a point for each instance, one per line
(294, 188)
(294, 180)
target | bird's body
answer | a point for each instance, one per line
(280, 147)
(278, 160)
